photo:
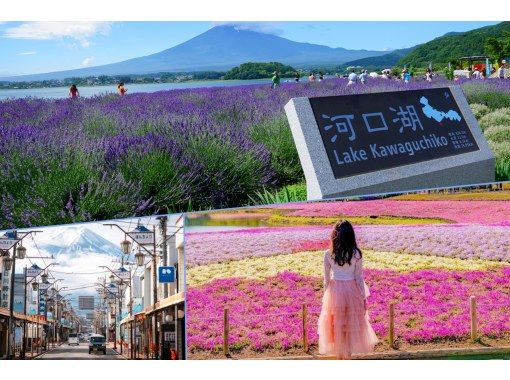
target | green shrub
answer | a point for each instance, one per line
(99, 125)
(485, 95)
(479, 110)
(498, 133)
(158, 177)
(102, 201)
(228, 172)
(277, 138)
(297, 192)
(497, 117)
(291, 193)
(502, 152)
(53, 193)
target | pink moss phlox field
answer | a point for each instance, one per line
(479, 212)
(431, 304)
(214, 247)
(490, 242)
(448, 240)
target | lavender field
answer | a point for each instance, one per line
(65, 161)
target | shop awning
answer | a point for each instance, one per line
(4, 311)
(160, 305)
(19, 316)
(165, 302)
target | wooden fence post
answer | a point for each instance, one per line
(391, 332)
(225, 332)
(305, 336)
(472, 308)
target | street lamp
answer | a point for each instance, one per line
(112, 278)
(125, 246)
(21, 252)
(139, 257)
(35, 286)
(44, 278)
(7, 261)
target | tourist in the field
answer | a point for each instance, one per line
(297, 76)
(121, 89)
(311, 77)
(275, 80)
(353, 78)
(428, 74)
(501, 71)
(363, 77)
(344, 328)
(73, 92)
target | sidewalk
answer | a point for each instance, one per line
(125, 352)
(33, 355)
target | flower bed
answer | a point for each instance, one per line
(311, 264)
(431, 305)
(482, 212)
(460, 241)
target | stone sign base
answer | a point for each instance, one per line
(476, 172)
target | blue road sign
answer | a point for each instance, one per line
(166, 274)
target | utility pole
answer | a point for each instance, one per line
(155, 294)
(10, 331)
(164, 248)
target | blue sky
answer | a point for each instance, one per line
(38, 47)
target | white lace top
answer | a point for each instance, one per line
(345, 272)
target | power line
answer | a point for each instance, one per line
(77, 288)
(61, 272)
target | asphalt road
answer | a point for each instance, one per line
(80, 352)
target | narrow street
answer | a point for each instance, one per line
(81, 352)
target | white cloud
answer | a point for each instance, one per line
(27, 53)
(261, 27)
(87, 61)
(43, 30)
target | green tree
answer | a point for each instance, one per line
(259, 70)
(498, 48)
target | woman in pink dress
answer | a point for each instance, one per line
(344, 328)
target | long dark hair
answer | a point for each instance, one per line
(343, 243)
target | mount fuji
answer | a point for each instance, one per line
(79, 240)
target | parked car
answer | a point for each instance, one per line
(97, 343)
(73, 339)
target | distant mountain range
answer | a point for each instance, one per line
(219, 48)
(453, 45)
(382, 61)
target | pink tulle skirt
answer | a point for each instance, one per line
(344, 328)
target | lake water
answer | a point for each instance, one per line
(203, 223)
(62, 92)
